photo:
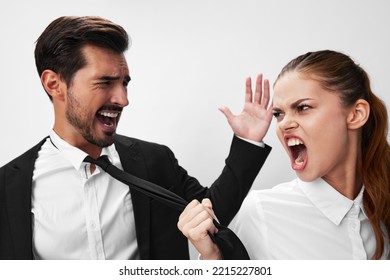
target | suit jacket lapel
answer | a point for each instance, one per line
(18, 182)
(133, 162)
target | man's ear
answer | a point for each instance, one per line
(53, 84)
(358, 115)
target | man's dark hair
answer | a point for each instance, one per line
(59, 48)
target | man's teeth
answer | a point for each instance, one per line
(109, 115)
(294, 142)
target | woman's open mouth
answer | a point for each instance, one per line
(298, 153)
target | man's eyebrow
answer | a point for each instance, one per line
(114, 78)
(108, 78)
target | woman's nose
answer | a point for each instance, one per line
(288, 123)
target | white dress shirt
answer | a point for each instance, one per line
(76, 214)
(301, 220)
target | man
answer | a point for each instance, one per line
(53, 205)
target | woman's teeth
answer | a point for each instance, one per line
(294, 142)
(298, 150)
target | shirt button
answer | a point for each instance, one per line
(354, 226)
(93, 225)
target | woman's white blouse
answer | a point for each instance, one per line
(301, 220)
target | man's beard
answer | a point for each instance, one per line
(78, 118)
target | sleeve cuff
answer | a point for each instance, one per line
(259, 144)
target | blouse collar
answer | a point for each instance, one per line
(329, 201)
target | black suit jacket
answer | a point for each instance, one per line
(156, 224)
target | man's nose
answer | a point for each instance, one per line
(119, 96)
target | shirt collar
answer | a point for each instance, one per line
(330, 202)
(359, 201)
(76, 156)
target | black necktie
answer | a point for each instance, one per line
(228, 243)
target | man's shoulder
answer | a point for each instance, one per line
(135, 142)
(136, 148)
(27, 157)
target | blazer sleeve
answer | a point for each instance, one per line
(229, 190)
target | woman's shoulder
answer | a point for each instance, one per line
(281, 194)
(289, 187)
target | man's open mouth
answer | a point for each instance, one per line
(108, 118)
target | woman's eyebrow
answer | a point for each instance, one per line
(296, 103)
(276, 109)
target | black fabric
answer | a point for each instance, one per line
(227, 241)
(155, 223)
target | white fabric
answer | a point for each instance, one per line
(76, 214)
(256, 143)
(301, 220)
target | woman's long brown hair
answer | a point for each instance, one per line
(339, 73)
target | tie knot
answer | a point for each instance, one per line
(103, 161)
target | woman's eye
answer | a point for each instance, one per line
(303, 107)
(277, 114)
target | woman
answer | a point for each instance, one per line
(334, 130)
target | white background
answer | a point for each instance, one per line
(187, 59)
(280, 270)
